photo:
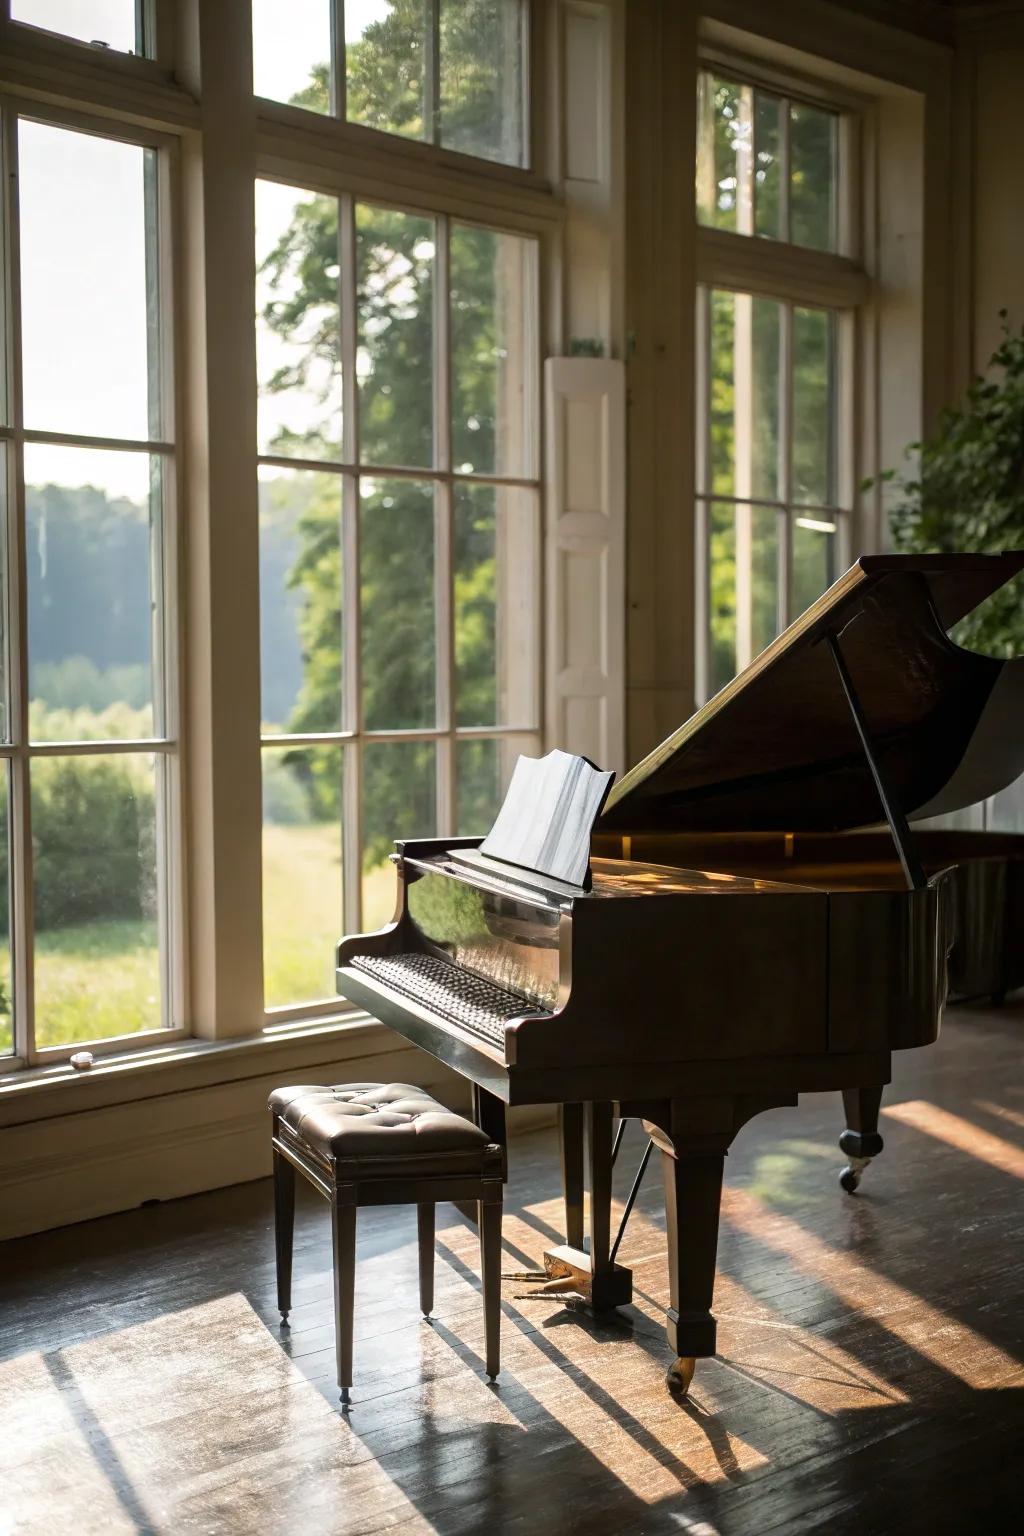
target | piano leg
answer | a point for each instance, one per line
(489, 1115)
(860, 1140)
(693, 1193)
(570, 1131)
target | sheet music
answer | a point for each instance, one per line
(548, 815)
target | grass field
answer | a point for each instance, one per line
(301, 911)
(101, 979)
(93, 981)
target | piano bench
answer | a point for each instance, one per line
(383, 1144)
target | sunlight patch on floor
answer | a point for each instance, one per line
(643, 1437)
(945, 1341)
(91, 1423)
(959, 1133)
(1001, 1112)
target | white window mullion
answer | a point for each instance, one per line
(20, 861)
(444, 548)
(743, 458)
(702, 550)
(351, 617)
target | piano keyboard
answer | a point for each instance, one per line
(465, 999)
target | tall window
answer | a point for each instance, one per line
(449, 72)
(116, 24)
(399, 551)
(88, 924)
(775, 339)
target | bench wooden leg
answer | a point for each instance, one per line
(343, 1230)
(425, 1221)
(490, 1265)
(284, 1230)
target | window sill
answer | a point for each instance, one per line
(39, 1093)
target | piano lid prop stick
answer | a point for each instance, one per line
(898, 824)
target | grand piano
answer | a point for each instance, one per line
(732, 940)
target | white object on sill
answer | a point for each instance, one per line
(82, 1060)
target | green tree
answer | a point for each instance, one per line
(395, 275)
(968, 491)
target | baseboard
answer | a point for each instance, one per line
(91, 1163)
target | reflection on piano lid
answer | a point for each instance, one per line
(778, 748)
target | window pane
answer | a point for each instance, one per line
(814, 407)
(496, 584)
(493, 330)
(768, 124)
(291, 52)
(722, 586)
(724, 113)
(396, 581)
(87, 196)
(5, 718)
(743, 546)
(745, 395)
(814, 556)
(482, 68)
(6, 981)
(484, 769)
(812, 176)
(395, 357)
(300, 599)
(757, 580)
(97, 951)
(89, 21)
(298, 322)
(385, 64)
(399, 800)
(302, 918)
(92, 527)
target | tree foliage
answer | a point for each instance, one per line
(966, 491)
(395, 261)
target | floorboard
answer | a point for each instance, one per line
(869, 1377)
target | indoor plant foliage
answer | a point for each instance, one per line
(969, 491)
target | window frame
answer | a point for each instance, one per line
(352, 736)
(795, 277)
(359, 139)
(154, 21)
(167, 747)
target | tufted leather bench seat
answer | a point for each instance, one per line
(382, 1144)
(391, 1122)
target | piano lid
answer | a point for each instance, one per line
(778, 749)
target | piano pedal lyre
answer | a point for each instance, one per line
(543, 1284)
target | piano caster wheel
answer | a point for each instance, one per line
(680, 1375)
(852, 1174)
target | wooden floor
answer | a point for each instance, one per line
(869, 1377)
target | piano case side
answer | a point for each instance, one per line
(700, 977)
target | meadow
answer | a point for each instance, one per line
(99, 979)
